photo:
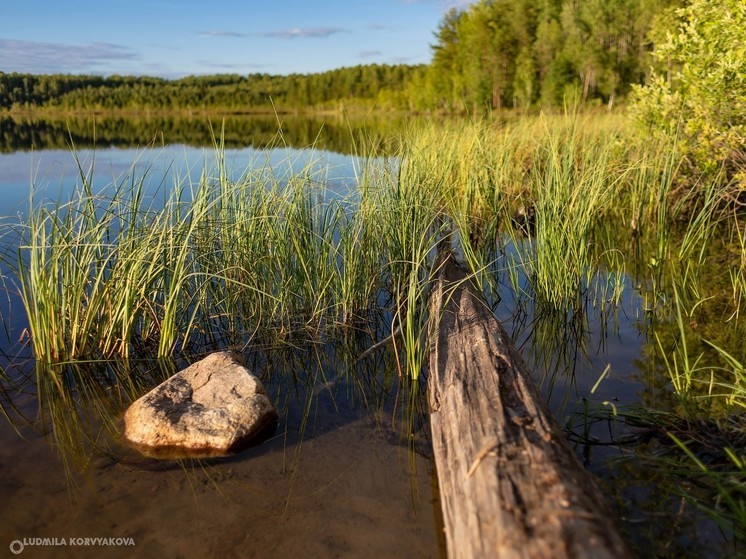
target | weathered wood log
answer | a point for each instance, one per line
(510, 484)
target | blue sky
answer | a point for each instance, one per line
(173, 38)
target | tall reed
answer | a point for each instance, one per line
(546, 201)
(411, 211)
(104, 273)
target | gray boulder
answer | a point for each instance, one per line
(214, 407)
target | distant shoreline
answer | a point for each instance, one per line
(344, 110)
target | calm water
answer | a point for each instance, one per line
(339, 479)
(349, 471)
(54, 172)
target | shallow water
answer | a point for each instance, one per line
(338, 479)
(55, 174)
(342, 476)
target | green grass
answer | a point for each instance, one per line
(274, 256)
(607, 205)
(111, 274)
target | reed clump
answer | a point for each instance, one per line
(557, 216)
(562, 212)
(123, 272)
(111, 274)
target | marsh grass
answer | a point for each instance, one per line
(682, 460)
(737, 271)
(543, 185)
(728, 504)
(108, 275)
(214, 261)
(104, 274)
(556, 216)
(573, 187)
(557, 211)
(560, 215)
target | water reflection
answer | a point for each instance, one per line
(339, 134)
(54, 176)
(596, 364)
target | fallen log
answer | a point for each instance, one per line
(510, 484)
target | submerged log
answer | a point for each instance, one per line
(510, 484)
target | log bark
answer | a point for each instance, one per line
(510, 484)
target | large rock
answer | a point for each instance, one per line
(215, 407)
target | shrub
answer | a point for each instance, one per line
(699, 88)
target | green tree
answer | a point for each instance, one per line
(553, 71)
(444, 76)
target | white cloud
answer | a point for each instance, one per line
(303, 32)
(39, 57)
(220, 34)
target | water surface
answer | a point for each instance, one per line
(342, 476)
(349, 471)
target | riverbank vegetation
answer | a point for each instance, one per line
(580, 201)
(563, 218)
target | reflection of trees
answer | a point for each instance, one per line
(333, 134)
(684, 306)
(657, 521)
(692, 309)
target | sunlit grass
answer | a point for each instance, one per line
(104, 274)
(559, 210)
(555, 215)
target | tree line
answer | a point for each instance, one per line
(494, 54)
(520, 53)
(366, 84)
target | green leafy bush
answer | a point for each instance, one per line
(699, 87)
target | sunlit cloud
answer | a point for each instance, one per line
(369, 53)
(220, 34)
(383, 27)
(229, 66)
(38, 57)
(296, 33)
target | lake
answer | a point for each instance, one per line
(340, 477)
(350, 470)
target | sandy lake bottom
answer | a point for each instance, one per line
(345, 484)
